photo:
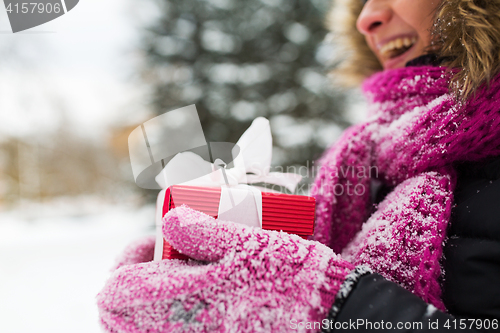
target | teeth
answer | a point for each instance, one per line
(397, 43)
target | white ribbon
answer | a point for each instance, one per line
(251, 165)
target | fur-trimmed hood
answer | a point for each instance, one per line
(466, 31)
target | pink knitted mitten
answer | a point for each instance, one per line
(243, 280)
(142, 250)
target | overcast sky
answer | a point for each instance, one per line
(79, 67)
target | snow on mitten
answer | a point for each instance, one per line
(139, 251)
(243, 279)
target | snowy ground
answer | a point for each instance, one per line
(55, 259)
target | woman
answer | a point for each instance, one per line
(376, 261)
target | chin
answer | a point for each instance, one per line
(400, 61)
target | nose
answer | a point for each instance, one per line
(375, 14)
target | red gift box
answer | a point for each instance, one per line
(293, 214)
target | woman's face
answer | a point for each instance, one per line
(397, 31)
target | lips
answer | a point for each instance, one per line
(396, 47)
(393, 52)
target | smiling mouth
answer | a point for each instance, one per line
(397, 47)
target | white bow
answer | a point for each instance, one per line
(251, 165)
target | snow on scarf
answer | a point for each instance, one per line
(416, 130)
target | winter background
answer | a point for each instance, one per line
(71, 91)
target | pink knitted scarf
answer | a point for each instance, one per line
(416, 130)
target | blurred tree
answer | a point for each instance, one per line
(239, 59)
(59, 164)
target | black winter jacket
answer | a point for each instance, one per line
(471, 263)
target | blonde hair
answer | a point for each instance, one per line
(465, 32)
